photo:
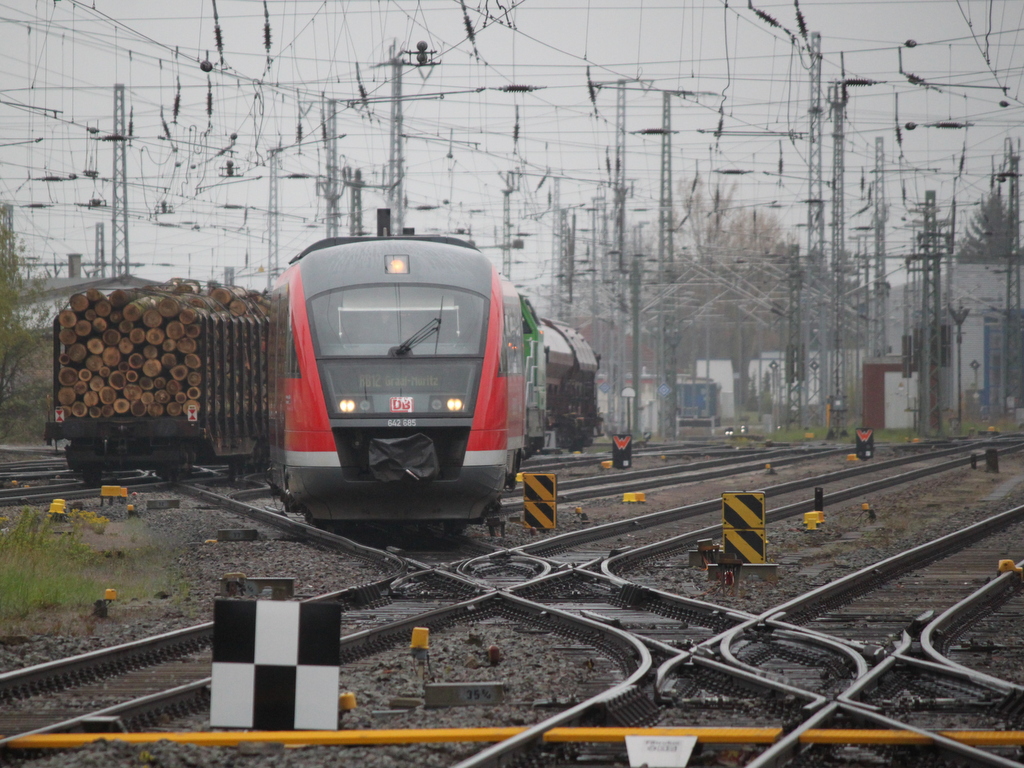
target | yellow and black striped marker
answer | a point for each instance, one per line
(540, 510)
(743, 532)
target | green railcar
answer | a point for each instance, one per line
(536, 379)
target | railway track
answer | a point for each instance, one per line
(779, 670)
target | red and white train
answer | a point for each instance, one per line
(396, 382)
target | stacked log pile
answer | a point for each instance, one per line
(165, 350)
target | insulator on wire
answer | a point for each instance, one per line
(209, 98)
(217, 34)
(800, 21)
(515, 129)
(469, 25)
(177, 103)
(131, 122)
(591, 89)
(266, 28)
(163, 122)
(298, 132)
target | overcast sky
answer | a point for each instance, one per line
(739, 72)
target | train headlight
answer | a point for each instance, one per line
(347, 406)
(454, 404)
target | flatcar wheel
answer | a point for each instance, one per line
(93, 478)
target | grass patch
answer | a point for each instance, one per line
(53, 570)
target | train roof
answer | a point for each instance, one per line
(348, 261)
(329, 242)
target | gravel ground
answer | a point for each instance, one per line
(196, 568)
(612, 508)
(533, 665)
(906, 516)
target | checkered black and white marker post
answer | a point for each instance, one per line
(275, 665)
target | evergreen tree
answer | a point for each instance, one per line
(987, 239)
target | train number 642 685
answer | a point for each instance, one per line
(401, 422)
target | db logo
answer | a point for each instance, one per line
(401, 405)
(192, 411)
(59, 415)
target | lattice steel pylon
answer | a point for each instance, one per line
(837, 103)
(100, 256)
(395, 183)
(879, 306)
(666, 271)
(796, 357)
(510, 180)
(354, 181)
(272, 217)
(930, 354)
(331, 187)
(1012, 337)
(119, 259)
(813, 332)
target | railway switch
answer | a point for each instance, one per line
(811, 521)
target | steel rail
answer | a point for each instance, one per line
(629, 653)
(294, 527)
(793, 744)
(631, 558)
(860, 581)
(565, 541)
(948, 625)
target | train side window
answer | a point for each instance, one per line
(285, 359)
(511, 359)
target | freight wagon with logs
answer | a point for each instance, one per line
(161, 378)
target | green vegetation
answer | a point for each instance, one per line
(47, 564)
(24, 365)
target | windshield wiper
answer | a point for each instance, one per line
(424, 333)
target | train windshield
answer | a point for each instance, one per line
(398, 320)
